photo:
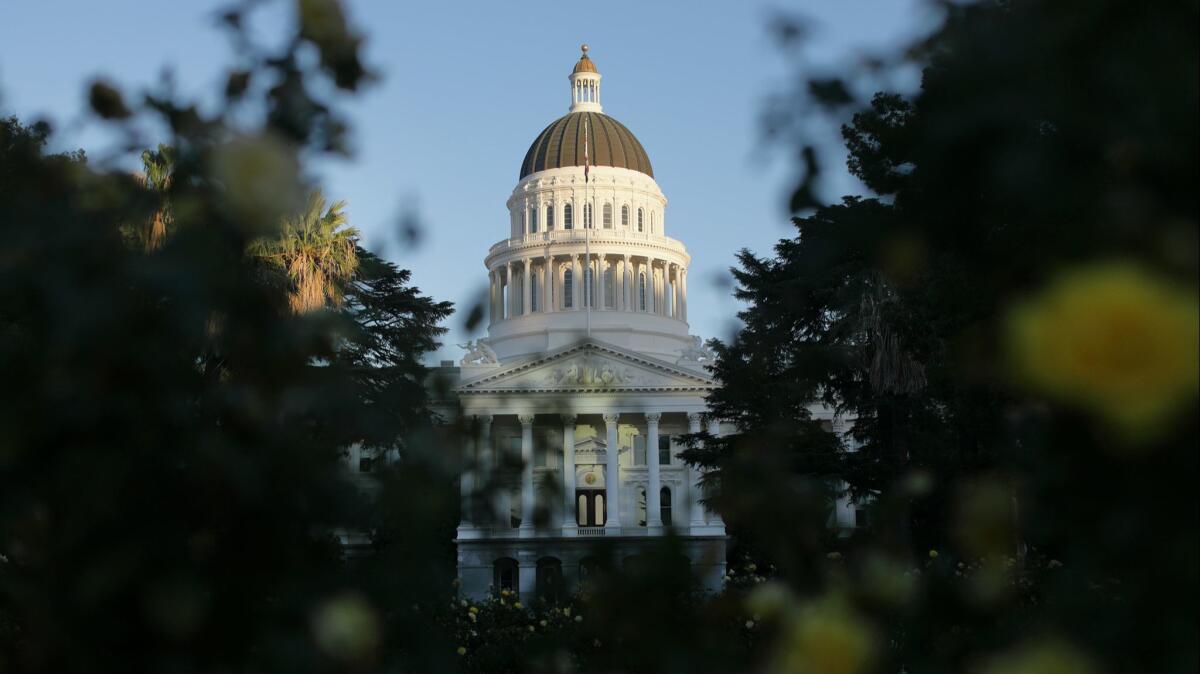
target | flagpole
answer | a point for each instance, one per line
(589, 211)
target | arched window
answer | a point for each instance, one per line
(587, 216)
(642, 292)
(504, 574)
(568, 220)
(568, 288)
(524, 221)
(664, 505)
(550, 580)
(625, 215)
(608, 216)
(534, 288)
(641, 220)
(640, 515)
(549, 218)
(599, 514)
(533, 220)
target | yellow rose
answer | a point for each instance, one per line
(825, 638)
(1112, 339)
(462, 650)
(1049, 657)
(261, 177)
(346, 628)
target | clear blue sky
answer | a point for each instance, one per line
(465, 88)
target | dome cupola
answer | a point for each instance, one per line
(561, 144)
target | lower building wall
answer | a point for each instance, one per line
(477, 558)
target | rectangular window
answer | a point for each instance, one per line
(365, 464)
(639, 450)
(861, 519)
(533, 220)
(549, 218)
(568, 216)
(664, 450)
(568, 290)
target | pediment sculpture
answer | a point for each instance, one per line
(588, 371)
(478, 353)
(696, 354)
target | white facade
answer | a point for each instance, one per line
(587, 376)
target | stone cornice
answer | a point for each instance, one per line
(693, 382)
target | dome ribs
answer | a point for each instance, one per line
(560, 145)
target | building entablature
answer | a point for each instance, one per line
(578, 242)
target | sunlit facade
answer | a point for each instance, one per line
(588, 375)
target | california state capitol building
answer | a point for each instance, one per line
(588, 374)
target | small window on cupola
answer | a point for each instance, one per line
(608, 216)
(533, 220)
(625, 216)
(641, 220)
(549, 218)
(568, 220)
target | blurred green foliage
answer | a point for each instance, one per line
(173, 422)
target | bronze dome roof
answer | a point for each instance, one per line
(609, 144)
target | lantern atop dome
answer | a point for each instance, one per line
(585, 84)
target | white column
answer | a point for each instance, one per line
(489, 459)
(466, 481)
(511, 304)
(714, 429)
(527, 287)
(651, 298)
(491, 297)
(527, 495)
(653, 500)
(568, 523)
(548, 294)
(684, 303)
(695, 474)
(679, 292)
(612, 475)
(577, 281)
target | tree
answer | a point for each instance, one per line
(982, 318)
(157, 167)
(316, 250)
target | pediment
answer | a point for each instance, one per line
(588, 367)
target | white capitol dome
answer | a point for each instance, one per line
(604, 232)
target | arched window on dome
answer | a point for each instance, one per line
(625, 215)
(641, 220)
(534, 287)
(533, 220)
(587, 216)
(608, 216)
(568, 212)
(568, 288)
(588, 288)
(549, 217)
(642, 292)
(524, 221)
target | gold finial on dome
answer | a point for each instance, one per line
(584, 65)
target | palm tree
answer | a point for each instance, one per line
(316, 251)
(158, 170)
